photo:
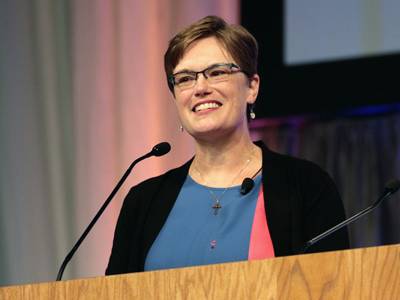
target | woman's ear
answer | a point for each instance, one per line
(254, 85)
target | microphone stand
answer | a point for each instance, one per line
(155, 151)
(391, 188)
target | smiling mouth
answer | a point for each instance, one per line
(206, 106)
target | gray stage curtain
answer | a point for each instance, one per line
(361, 155)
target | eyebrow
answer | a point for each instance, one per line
(192, 71)
(184, 71)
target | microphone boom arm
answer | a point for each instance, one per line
(389, 192)
(158, 150)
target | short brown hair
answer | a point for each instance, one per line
(240, 44)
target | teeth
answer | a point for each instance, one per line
(204, 106)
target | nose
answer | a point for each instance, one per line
(201, 86)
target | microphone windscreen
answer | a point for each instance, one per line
(247, 185)
(161, 149)
(393, 185)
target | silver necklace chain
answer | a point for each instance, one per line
(217, 205)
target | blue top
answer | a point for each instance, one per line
(193, 235)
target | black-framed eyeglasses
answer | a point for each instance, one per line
(214, 73)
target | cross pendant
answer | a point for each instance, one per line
(216, 206)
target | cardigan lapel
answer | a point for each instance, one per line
(277, 200)
(162, 203)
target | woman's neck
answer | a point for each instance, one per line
(225, 162)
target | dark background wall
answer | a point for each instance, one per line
(325, 87)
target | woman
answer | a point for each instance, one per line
(197, 214)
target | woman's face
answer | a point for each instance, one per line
(208, 110)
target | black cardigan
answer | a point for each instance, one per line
(301, 201)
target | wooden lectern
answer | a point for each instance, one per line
(367, 273)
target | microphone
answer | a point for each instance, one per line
(248, 184)
(390, 188)
(158, 150)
